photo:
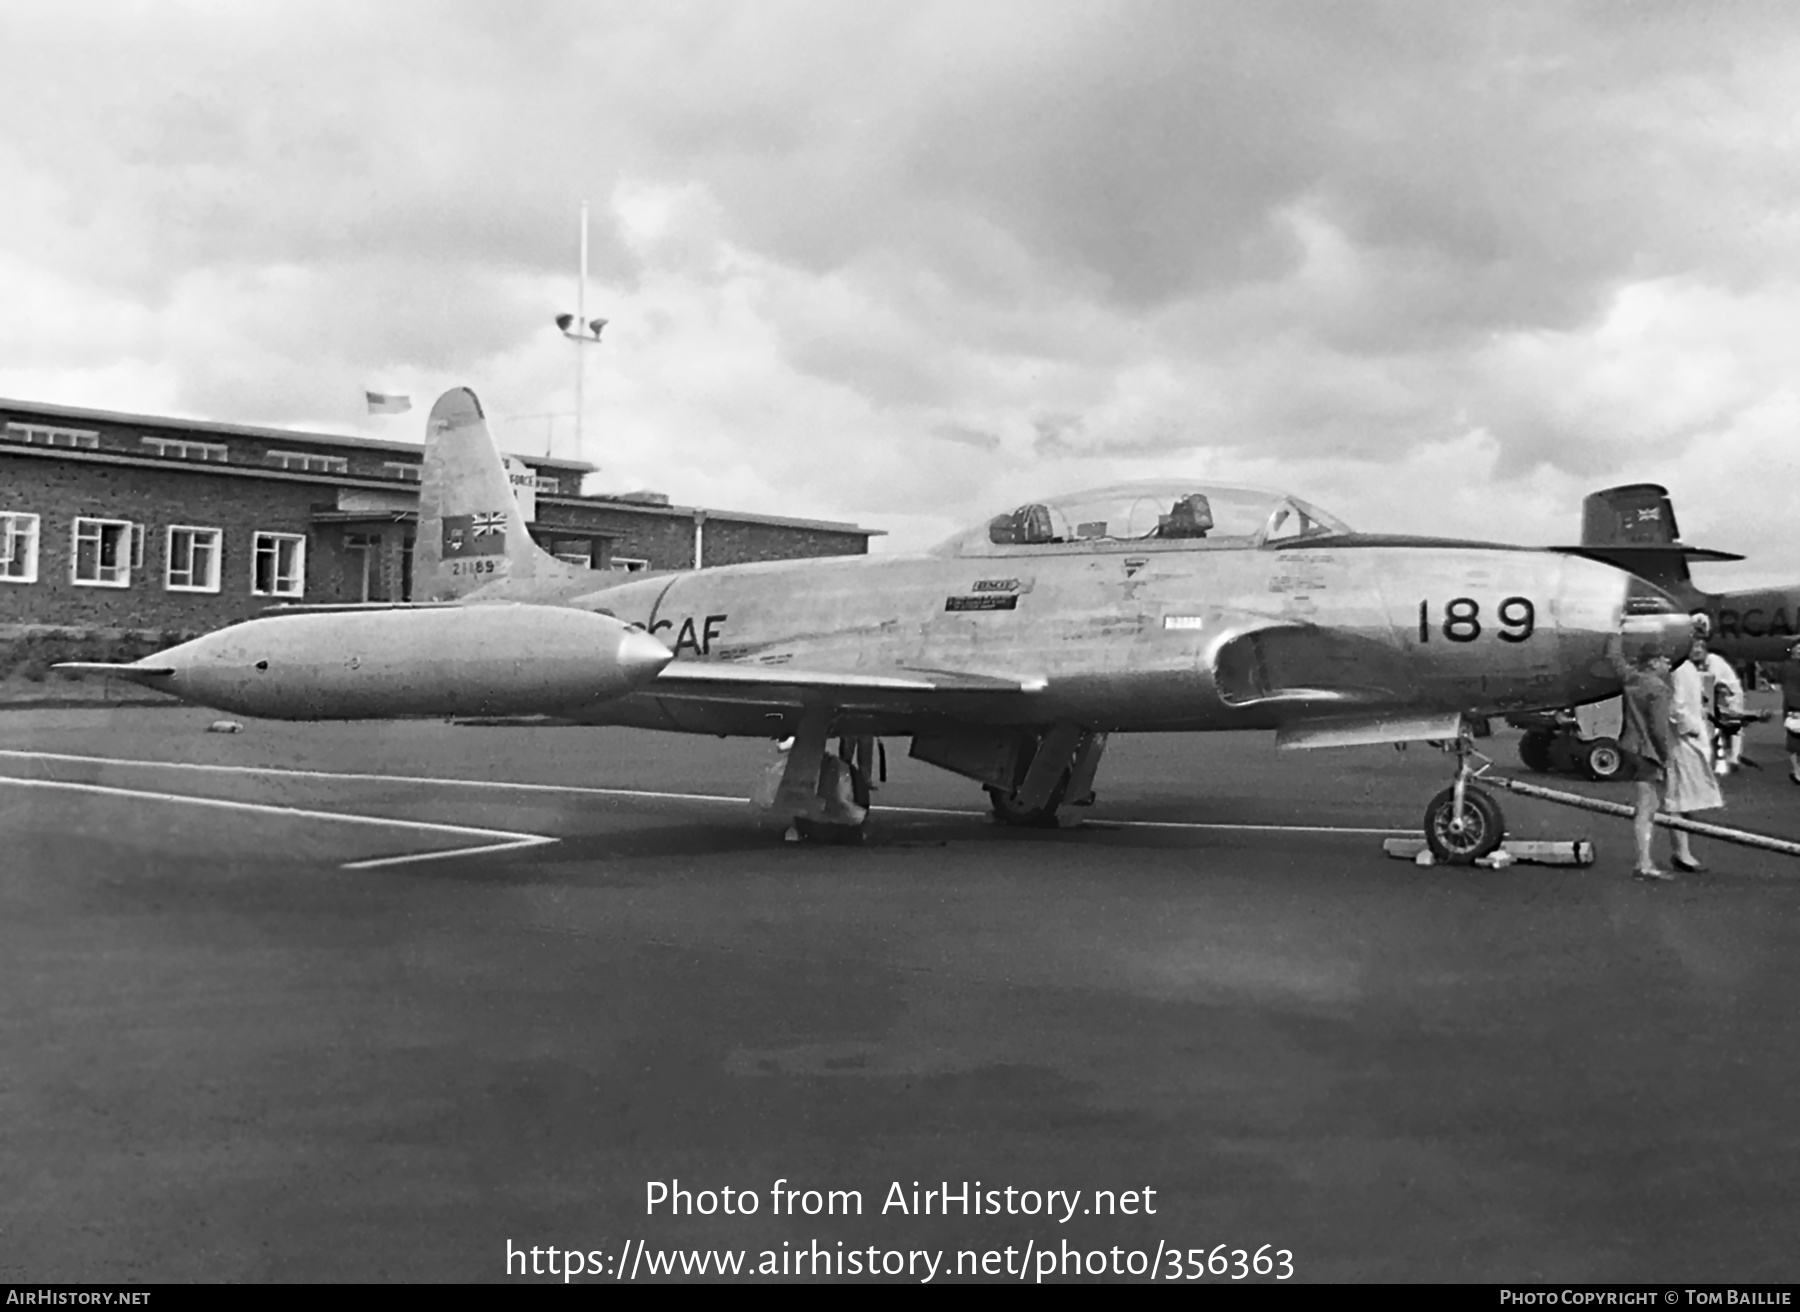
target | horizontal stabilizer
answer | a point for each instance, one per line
(352, 607)
(1363, 730)
(1624, 555)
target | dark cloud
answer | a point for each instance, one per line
(966, 437)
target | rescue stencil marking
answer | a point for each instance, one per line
(991, 601)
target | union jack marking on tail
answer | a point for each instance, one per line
(475, 535)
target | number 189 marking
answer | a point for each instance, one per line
(1462, 620)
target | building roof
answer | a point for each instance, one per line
(251, 430)
(628, 502)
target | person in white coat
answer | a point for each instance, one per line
(1728, 698)
(1692, 786)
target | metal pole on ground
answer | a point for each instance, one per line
(1742, 837)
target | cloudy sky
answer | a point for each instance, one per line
(1436, 267)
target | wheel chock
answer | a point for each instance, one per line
(1527, 851)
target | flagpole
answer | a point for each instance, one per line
(583, 331)
(581, 318)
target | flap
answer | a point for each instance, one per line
(770, 684)
(1361, 730)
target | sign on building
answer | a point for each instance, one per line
(524, 485)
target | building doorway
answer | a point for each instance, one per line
(367, 572)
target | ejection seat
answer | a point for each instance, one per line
(1028, 525)
(1190, 517)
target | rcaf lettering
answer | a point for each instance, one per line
(1749, 623)
(689, 637)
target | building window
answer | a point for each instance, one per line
(545, 484)
(403, 469)
(279, 568)
(81, 439)
(628, 564)
(175, 448)
(18, 547)
(306, 463)
(580, 558)
(194, 558)
(106, 551)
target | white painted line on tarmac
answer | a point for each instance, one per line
(512, 838)
(1251, 829)
(503, 784)
(1174, 824)
(380, 778)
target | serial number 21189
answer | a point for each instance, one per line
(1462, 620)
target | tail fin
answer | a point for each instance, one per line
(472, 535)
(1635, 515)
(1634, 527)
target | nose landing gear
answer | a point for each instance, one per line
(1464, 823)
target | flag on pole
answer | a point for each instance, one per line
(380, 403)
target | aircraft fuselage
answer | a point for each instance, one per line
(1151, 636)
(1760, 624)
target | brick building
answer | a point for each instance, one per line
(122, 521)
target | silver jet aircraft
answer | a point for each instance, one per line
(1010, 652)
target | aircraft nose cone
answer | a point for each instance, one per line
(184, 663)
(642, 657)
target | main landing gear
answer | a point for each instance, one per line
(819, 795)
(1463, 823)
(1055, 770)
(1559, 742)
(1008, 810)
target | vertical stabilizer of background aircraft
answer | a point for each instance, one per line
(1633, 526)
(472, 533)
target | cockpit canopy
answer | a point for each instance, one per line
(1135, 516)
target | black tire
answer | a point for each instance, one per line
(1603, 761)
(1008, 811)
(1479, 831)
(1534, 750)
(1566, 752)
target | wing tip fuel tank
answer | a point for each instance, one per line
(469, 660)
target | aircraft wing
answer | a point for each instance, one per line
(786, 685)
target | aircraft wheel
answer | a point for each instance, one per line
(1603, 760)
(1534, 750)
(1565, 753)
(1009, 812)
(1461, 840)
